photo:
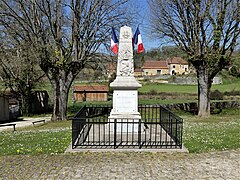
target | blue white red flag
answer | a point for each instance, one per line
(114, 42)
(137, 39)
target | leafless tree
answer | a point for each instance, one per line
(207, 30)
(65, 36)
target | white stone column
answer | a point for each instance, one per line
(125, 86)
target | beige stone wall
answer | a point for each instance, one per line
(165, 71)
(137, 74)
(178, 69)
(153, 72)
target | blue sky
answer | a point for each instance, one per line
(148, 41)
(141, 6)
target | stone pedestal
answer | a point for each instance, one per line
(125, 97)
(125, 104)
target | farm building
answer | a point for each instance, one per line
(90, 93)
(4, 110)
(39, 102)
(9, 106)
(177, 65)
(138, 72)
(172, 66)
(152, 68)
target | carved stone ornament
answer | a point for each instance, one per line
(126, 67)
(126, 34)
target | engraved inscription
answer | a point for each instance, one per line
(126, 102)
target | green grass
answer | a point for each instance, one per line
(218, 132)
(51, 138)
(228, 86)
(173, 88)
(170, 88)
(164, 101)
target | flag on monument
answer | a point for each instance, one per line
(137, 38)
(114, 42)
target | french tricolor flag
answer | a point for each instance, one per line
(137, 39)
(114, 42)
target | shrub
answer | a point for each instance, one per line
(216, 95)
(153, 92)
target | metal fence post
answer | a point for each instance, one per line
(115, 133)
(139, 134)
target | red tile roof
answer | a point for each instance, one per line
(151, 64)
(176, 60)
(99, 88)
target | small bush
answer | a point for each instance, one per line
(216, 95)
(153, 92)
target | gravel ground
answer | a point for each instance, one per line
(123, 165)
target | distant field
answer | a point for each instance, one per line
(228, 86)
(168, 88)
(173, 88)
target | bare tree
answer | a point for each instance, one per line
(207, 30)
(65, 36)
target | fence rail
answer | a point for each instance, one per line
(157, 128)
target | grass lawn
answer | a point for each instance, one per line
(168, 88)
(164, 101)
(173, 88)
(219, 132)
(50, 138)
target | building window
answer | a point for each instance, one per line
(158, 72)
(146, 73)
(173, 66)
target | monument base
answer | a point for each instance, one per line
(125, 123)
(125, 105)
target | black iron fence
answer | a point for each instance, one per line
(157, 128)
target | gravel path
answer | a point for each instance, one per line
(123, 165)
(27, 121)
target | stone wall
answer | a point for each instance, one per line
(214, 105)
(179, 79)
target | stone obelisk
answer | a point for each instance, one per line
(125, 93)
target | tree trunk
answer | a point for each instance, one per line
(60, 84)
(27, 105)
(204, 85)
